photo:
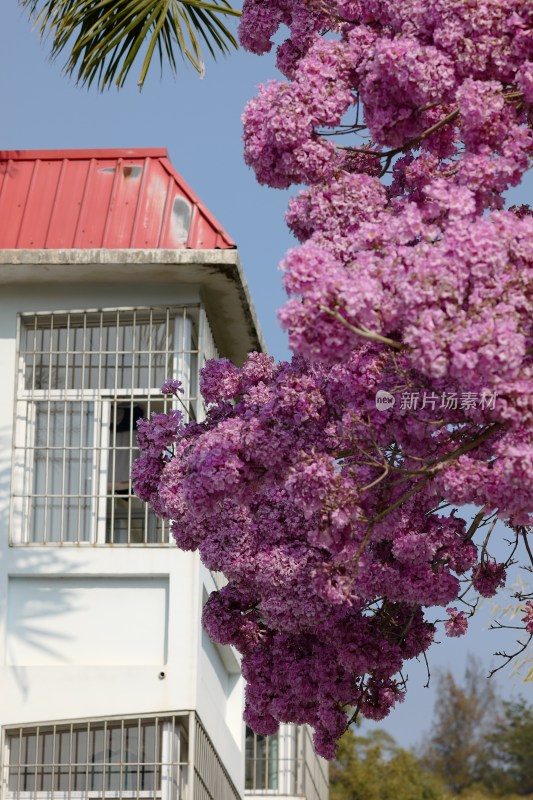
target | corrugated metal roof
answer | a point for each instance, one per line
(55, 199)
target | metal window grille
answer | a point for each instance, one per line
(84, 379)
(312, 771)
(285, 765)
(130, 758)
(208, 348)
(210, 781)
(164, 758)
(261, 762)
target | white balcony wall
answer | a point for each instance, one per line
(101, 631)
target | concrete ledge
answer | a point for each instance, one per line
(218, 273)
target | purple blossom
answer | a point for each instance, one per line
(322, 511)
(457, 625)
(172, 386)
(488, 578)
(528, 617)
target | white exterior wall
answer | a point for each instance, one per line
(90, 631)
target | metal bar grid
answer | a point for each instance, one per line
(312, 770)
(211, 781)
(208, 350)
(285, 765)
(145, 757)
(262, 763)
(85, 378)
(133, 757)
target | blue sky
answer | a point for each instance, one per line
(199, 122)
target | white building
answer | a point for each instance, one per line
(114, 277)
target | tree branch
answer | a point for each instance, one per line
(361, 330)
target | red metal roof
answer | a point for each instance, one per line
(84, 199)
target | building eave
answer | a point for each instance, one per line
(218, 274)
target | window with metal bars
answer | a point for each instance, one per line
(84, 380)
(130, 758)
(167, 757)
(262, 762)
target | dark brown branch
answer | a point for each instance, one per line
(433, 467)
(526, 544)
(474, 526)
(508, 657)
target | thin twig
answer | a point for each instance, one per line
(426, 685)
(526, 544)
(376, 481)
(409, 623)
(508, 657)
(362, 330)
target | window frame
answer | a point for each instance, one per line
(186, 326)
(171, 736)
(194, 766)
(267, 768)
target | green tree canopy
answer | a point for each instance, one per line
(510, 746)
(479, 746)
(455, 748)
(374, 767)
(104, 38)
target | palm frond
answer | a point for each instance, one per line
(104, 38)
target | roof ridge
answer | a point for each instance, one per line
(83, 153)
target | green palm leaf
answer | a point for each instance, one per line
(105, 37)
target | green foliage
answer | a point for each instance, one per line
(105, 37)
(455, 749)
(480, 747)
(510, 746)
(373, 767)
(482, 793)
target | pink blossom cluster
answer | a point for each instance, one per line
(410, 65)
(172, 386)
(333, 518)
(457, 625)
(528, 617)
(283, 488)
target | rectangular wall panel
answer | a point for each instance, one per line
(105, 621)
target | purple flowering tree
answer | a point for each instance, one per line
(326, 489)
